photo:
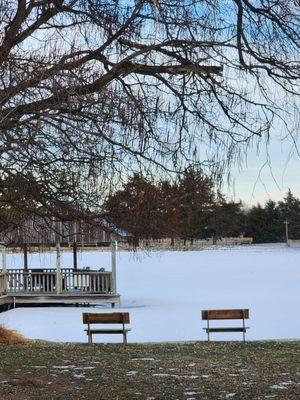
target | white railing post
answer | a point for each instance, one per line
(58, 269)
(113, 265)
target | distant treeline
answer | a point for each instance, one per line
(190, 208)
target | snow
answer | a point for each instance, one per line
(163, 375)
(166, 291)
(282, 385)
(131, 373)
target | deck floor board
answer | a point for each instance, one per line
(42, 299)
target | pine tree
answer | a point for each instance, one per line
(135, 208)
(170, 212)
(289, 210)
(265, 224)
(257, 224)
(196, 202)
(227, 218)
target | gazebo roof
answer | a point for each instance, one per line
(36, 232)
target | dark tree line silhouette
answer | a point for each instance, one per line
(190, 208)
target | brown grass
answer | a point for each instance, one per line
(9, 337)
(169, 371)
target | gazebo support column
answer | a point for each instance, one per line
(75, 256)
(4, 268)
(3, 251)
(25, 250)
(26, 272)
(58, 269)
(113, 265)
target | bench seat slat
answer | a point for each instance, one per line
(106, 318)
(225, 314)
(106, 330)
(227, 329)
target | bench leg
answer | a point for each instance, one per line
(208, 336)
(90, 338)
(244, 336)
(125, 338)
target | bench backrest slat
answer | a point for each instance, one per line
(225, 314)
(105, 318)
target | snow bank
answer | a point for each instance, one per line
(165, 293)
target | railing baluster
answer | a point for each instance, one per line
(45, 282)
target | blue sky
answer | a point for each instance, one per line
(266, 174)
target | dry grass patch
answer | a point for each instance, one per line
(9, 337)
(168, 371)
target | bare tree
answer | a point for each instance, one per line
(91, 89)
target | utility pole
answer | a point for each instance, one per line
(286, 223)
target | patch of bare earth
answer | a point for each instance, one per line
(256, 370)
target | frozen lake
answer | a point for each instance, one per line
(166, 291)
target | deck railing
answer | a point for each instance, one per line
(45, 281)
(2, 284)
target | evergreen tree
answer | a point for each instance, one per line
(196, 202)
(289, 210)
(170, 210)
(188, 209)
(227, 218)
(264, 224)
(274, 225)
(136, 208)
(257, 224)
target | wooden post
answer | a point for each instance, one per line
(25, 250)
(113, 265)
(74, 256)
(208, 332)
(26, 273)
(4, 270)
(3, 251)
(58, 269)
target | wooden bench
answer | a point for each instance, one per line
(107, 318)
(209, 315)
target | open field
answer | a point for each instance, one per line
(257, 370)
(166, 291)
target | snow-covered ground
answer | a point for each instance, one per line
(166, 291)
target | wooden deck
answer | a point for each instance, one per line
(46, 286)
